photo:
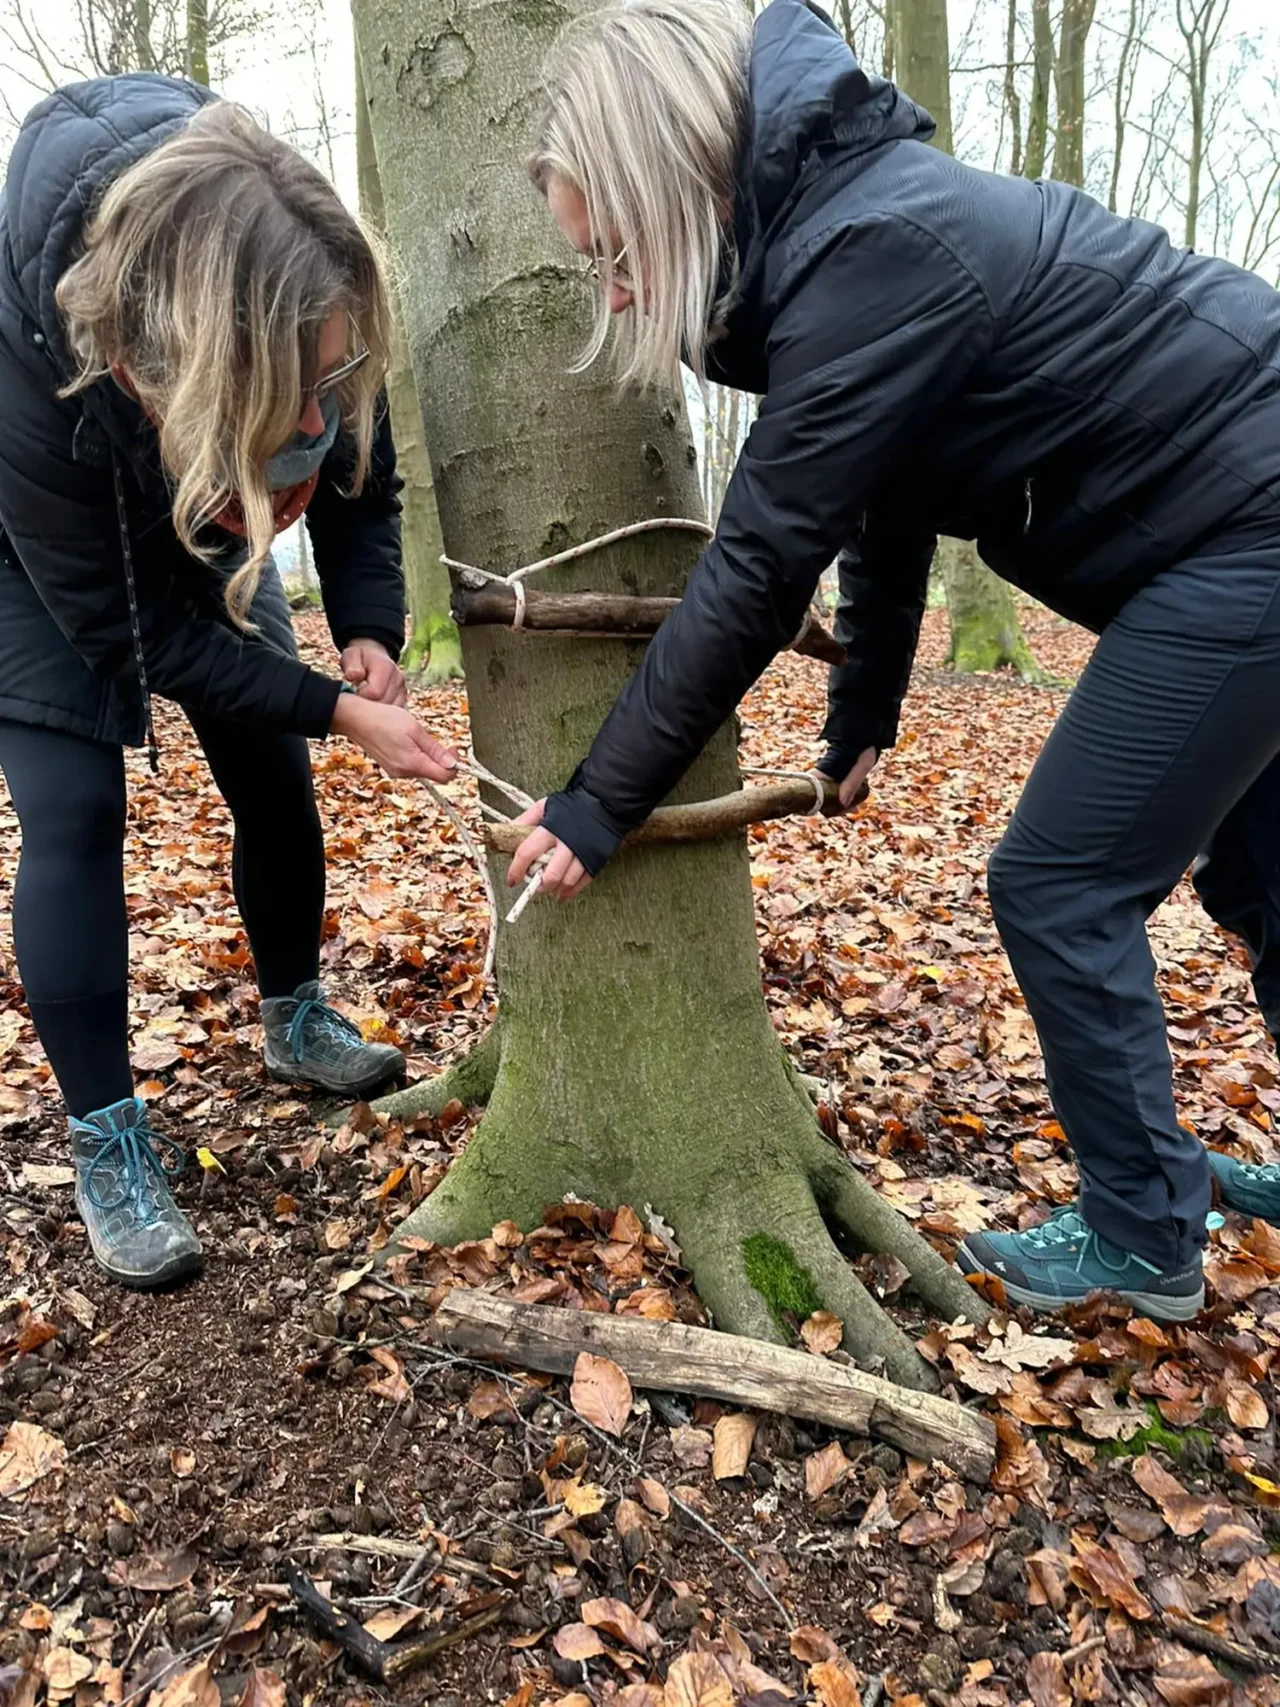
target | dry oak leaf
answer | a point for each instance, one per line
(617, 1619)
(1047, 1681)
(1019, 1350)
(695, 1680)
(264, 1689)
(64, 1669)
(1098, 1568)
(822, 1470)
(577, 1642)
(1191, 1680)
(600, 1393)
(1183, 1512)
(836, 1683)
(194, 1688)
(734, 1436)
(822, 1332)
(27, 1454)
(582, 1499)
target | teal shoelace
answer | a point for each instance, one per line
(139, 1155)
(327, 1020)
(1064, 1227)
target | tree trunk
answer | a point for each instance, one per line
(143, 55)
(634, 1060)
(198, 41)
(1073, 38)
(1012, 99)
(434, 651)
(983, 604)
(1200, 22)
(1042, 58)
(1123, 95)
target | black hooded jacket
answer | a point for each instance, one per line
(940, 350)
(59, 527)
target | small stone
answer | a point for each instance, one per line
(120, 1539)
(505, 1555)
(478, 1549)
(888, 1459)
(505, 1495)
(976, 1643)
(935, 1671)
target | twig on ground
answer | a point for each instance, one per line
(384, 1661)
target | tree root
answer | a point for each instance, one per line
(469, 1081)
(850, 1203)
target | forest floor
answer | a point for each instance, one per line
(168, 1459)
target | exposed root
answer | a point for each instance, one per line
(849, 1201)
(470, 1081)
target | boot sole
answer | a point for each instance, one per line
(288, 1075)
(171, 1275)
(1153, 1304)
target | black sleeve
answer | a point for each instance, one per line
(874, 334)
(61, 518)
(883, 584)
(356, 541)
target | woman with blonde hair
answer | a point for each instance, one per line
(945, 350)
(193, 337)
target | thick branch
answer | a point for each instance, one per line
(674, 1358)
(468, 1081)
(704, 820)
(599, 614)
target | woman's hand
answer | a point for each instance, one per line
(374, 673)
(851, 785)
(565, 875)
(393, 738)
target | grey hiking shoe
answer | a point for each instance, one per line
(308, 1042)
(138, 1234)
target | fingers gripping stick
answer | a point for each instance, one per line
(532, 884)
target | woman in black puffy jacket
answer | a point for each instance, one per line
(945, 350)
(193, 336)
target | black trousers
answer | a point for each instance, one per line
(69, 921)
(1166, 750)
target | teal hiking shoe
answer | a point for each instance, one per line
(136, 1231)
(1248, 1187)
(1062, 1261)
(308, 1042)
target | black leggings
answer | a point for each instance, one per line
(70, 928)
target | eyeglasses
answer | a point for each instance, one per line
(622, 276)
(328, 383)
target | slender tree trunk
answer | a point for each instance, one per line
(980, 607)
(1200, 22)
(1073, 39)
(1124, 92)
(143, 54)
(434, 649)
(198, 41)
(1012, 99)
(1042, 62)
(634, 1060)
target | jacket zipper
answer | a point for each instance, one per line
(1026, 526)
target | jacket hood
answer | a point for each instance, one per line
(807, 90)
(70, 148)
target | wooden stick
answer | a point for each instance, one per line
(677, 1359)
(703, 820)
(388, 1661)
(1193, 1634)
(600, 615)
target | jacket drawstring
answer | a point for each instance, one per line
(135, 627)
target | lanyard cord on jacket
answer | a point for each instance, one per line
(135, 627)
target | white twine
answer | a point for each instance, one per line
(817, 781)
(516, 576)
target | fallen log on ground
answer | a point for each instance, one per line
(677, 1359)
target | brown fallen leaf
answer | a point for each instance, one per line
(836, 1683)
(691, 1447)
(158, 1573)
(387, 1623)
(601, 1393)
(822, 1332)
(617, 1619)
(1047, 1680)
(194, 1688)
(629, 1515)
(634, 1695)
(1192, 1680)
(264, 1689)
(489, 1400)
(1182, 1511)
(64, 1668)
(811, 1645)
(577, 1642)
(27, 1455)
(654, 1495)
(582, 1499)
(1246, 1406)
(823, 1469)
(734, 1435)
(1100, 1569)
(695, 1680)
(1232, 1544)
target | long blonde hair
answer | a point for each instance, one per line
(645, 106)
(209, 269)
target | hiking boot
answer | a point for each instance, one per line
(1062, 1261)
(123, 1168)
(1248, 1187)
(308, 1042)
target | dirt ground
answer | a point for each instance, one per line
(170, 1460)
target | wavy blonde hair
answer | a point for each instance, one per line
(209, 269)
(645, 106)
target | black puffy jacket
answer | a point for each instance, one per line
(58, 513)
(940, 350)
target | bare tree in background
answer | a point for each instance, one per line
(1200, 22)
